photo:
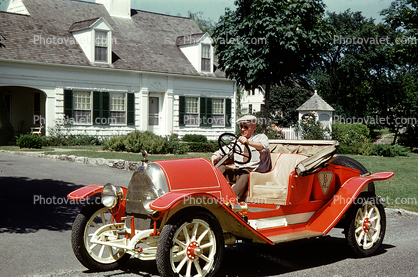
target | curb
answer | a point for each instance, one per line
(112, 163)
(400, 212)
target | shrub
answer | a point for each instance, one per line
(174, 146)
(194, 138)
(387, 150)
(29, 141)
(138, 141)
(60, 135)
(210, 146)
(350, 134)
(312, 129)
(115, 143)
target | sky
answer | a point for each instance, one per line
(213, 9)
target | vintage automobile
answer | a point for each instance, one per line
(183, 212)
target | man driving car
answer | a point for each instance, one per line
(260, 157)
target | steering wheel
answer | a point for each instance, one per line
(230, 141)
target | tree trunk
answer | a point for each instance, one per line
(396, 135)
(266, 108)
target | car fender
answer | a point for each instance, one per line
(231, 222)
(84, 193)
(331, 213)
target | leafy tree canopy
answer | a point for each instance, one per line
(263, 41)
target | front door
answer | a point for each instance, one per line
(153, 114)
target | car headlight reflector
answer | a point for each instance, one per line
(111, 195)
(148, 196)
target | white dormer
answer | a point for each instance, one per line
(95, 38)
(198, 50)
(13, 6)
(120, 8)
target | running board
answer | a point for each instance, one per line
(294, 236)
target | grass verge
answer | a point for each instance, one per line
(401, 191)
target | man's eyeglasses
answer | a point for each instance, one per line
(244, 126)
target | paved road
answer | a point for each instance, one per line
(35, 232)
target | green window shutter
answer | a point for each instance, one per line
(205, 111)
(228, 112)
(105, 107)
(68, 103)
(97, 108)
(182, 110)
(130, 118)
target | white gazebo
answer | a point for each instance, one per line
(318, 107)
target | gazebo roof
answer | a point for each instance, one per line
(315, 103)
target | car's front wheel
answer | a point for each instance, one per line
(368, 225)
(94, 256)
(192, 244)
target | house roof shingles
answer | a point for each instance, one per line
(145, 42)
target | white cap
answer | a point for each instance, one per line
(247, 119)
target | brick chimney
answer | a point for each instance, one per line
(120, 8)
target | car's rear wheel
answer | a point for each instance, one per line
(352, 163)
(368, 225)
(190, 245)
(94, 256)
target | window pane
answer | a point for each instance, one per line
(101, 38)
(205, 64)
(82, 117)
(81, 100)
(218, 120)
(217, 106)
(100, 54)
(205, 51)
(117, 102)
(191, 119)
(192, 105)
(205, 57)
(117, 117)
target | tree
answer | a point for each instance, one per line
(206, 25)
(402, 107)
(262, 42)
(353, 66)
(285, 99)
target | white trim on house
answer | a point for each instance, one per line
(53, 79)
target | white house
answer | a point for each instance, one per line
(110, 69)
(252, 101)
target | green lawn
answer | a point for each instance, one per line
(399, 192)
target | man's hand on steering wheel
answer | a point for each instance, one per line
(230, 142)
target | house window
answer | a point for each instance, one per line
(206, 57)
(100, 49)
(250, 108)
(117, 108)
(82, 106)
(192, 111)
(218, 112)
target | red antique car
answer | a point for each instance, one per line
(183, 212)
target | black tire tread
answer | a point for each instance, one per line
(171, 227)
(352, 163)
(350, 232)
(77, 242)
